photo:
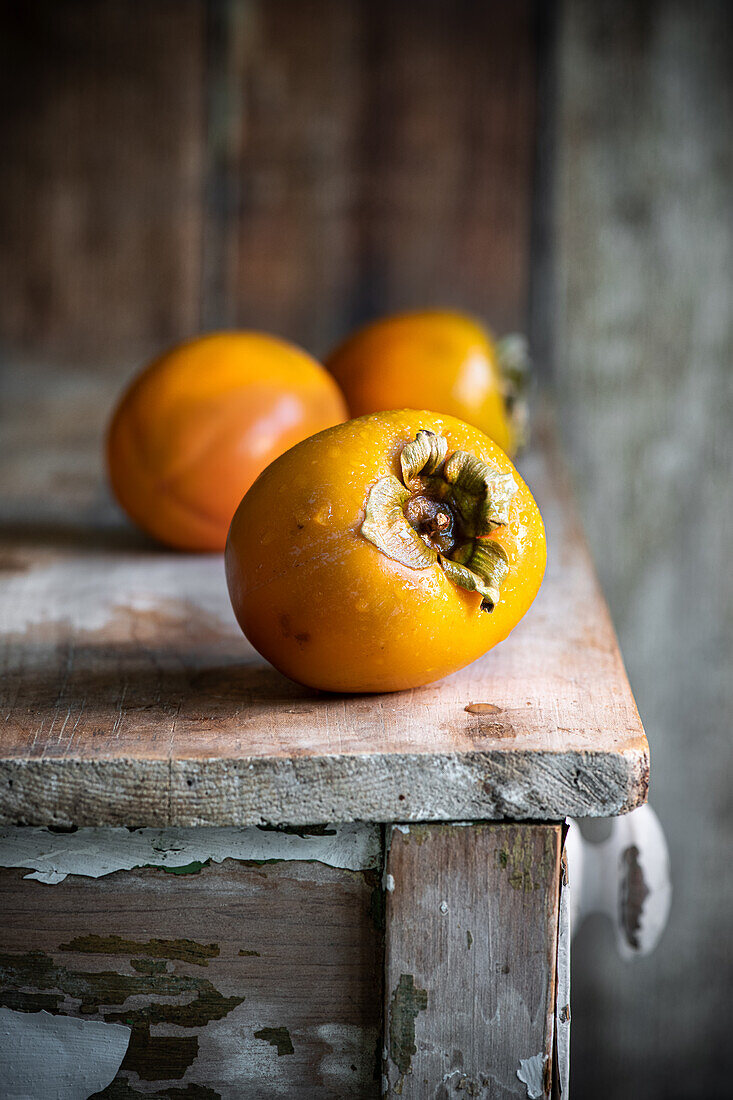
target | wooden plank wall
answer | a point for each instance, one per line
(644, 348)
(100, 176)
(295, 165)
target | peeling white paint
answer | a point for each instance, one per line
(562, 986)
(97, 852)
(599, 877)
(405, 829)
(88, 598)
(531, 1073)
(45, 1057)
(389, 883)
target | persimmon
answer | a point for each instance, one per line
(441, 359)
(193, 430)
(384, 553)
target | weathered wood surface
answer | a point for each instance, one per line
(234, 979)
(470, 957)
(129, 696)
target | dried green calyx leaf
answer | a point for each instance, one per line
(385, 525)
(441, 513)
(481, 494)
(480, 565)
(514, 366)
(423, 456)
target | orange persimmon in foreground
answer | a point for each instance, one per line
(439, 358)
(384, 553)
(193, 430)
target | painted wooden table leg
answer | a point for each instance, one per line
(472, 917)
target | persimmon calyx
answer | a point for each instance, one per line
(386, 526)
(483, 569)
(422, 457)
(514, 363)
(480, 493)
(442, 514)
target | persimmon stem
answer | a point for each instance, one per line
(433, 520)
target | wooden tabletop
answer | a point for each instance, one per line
(129, 696)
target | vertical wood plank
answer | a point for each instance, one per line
(285, 124)
(100, 176)
(228, 30)
(293, 165)
(368, 157)
(446, 157)
(471, 942)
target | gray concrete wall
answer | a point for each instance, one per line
(642, 217)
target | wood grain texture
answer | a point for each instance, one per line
(644, 351)
(246, 979)
(296, 165)
(130, 697)
(366, 157)
(470, 953)
(445, 161)
(100, 176)
(282, 139)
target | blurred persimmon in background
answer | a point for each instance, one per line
(196, 427)
(440, 360)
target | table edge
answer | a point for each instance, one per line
(498, 784)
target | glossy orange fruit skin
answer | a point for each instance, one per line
(193, 430)
(435, 358)
(328, 608)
